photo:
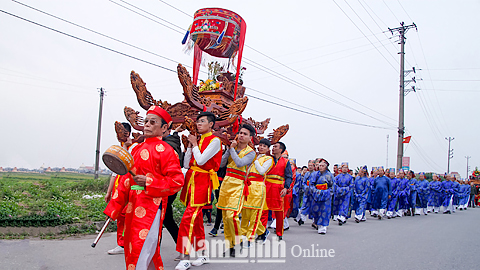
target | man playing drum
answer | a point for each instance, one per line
(157, 175)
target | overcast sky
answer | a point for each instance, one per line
(335, 59)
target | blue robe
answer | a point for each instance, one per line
(392, 203)
(456, 192)
(343, 184)
(403, 193)
(412, 198)
(307, 196)
(382, 189)
(360, 193)
(369, 205)
(423, 193)
(437, 193)
(296, 195)
(322, 199)
(447, 187)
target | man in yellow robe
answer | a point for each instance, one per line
(255, 203)
(238, 158)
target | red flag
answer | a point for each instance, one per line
(407, 139)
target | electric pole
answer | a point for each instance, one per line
(401, 128)
(468, 167)
(450, 153)
(97, 152)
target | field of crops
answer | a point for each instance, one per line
(52, 199)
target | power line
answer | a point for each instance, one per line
(178, 31)
(176, 8)
(314, 114)
(394, 68)
(93, 31)
(86, 41)
(369, 30)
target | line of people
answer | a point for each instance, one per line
(385, 194)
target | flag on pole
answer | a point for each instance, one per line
(407, 139)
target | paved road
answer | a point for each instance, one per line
(435, 241)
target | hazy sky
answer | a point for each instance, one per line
(335, 59)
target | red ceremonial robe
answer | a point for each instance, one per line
(158, 162)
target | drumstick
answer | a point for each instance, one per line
(101, 232)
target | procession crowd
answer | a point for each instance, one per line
(251, 187)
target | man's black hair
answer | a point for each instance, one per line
(250, 129)
(266, 142)
(127, 127)
(282, 146)
(304, 167)
(210, 116)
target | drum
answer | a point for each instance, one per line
(118, 160)
(216, 31)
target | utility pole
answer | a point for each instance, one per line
(450, 153)
(97, 152)
(468, 167)
(401, 127)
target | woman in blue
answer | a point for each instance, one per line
(343, 184)
(321, 189)
(296, 191)
(392, 203)
(383, 191)
(304, 211)
(423, 192)
(360, 192)
(403, 193)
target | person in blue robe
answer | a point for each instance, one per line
(392, 202)
(412, 197)
(456, 194)
(321, 188)
(296, 195)
(304, 211)
(403, 193)
(382, 192)
(369, 207)
(423, 192)
(448, 192)
(436, 189)
(342, 185)
(360, 193)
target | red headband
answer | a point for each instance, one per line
(160, 112)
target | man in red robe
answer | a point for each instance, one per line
(157, 175)
(277, 182)
(202, 160)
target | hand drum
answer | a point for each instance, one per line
(118, 160)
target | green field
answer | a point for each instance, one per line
(52, 199)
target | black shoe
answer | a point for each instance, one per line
(300, 222)
(315, 226)
(340, 223)
(357, 220)
(231, 252)
(286, 229)
(213, 232)
(280, 238)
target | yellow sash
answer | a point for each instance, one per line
(212, 173)
(274, 181)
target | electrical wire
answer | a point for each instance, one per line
(394, 68)
(86, 41)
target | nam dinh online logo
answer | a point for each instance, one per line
(272, 251)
